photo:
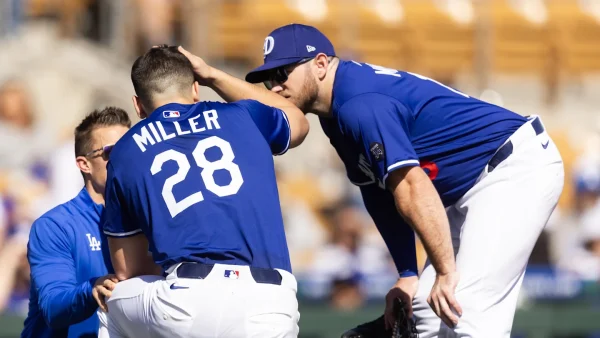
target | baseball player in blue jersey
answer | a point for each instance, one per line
(463, 174)
(67, 252)
(194, 184)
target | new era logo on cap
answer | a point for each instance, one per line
(171, 114)
(310, 48)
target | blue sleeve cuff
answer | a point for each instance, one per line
(408, 273)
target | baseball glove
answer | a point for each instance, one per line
(404, 327)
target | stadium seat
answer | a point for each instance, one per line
(576, 36)
(518, 44)
(380, 40)
(267, 15)
(231, 35)
(441, 45)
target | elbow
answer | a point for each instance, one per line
(123, 275)
(53, 320)
(300, 129)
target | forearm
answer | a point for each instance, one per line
(419, 203)
(67, 305)
(130, 257)
(233, 89)
(143, 269)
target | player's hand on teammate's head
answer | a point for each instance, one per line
(201, 68)
(103, 289)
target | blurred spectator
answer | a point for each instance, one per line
(585, 258)
(20, 141)
(349, 253)
(156, 20)
(14, 280)
(346, 294)
(10, 16)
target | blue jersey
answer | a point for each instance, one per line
(384, 119)
(199, 181)
(67, 253)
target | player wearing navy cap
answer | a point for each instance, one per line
(194, 184)
(463, 174)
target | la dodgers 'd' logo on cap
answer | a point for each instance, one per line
(268, 46)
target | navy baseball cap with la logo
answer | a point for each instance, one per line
(288, 45)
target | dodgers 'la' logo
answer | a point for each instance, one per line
(94, 243)
(269, 45)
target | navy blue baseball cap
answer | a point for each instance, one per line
(288, 45)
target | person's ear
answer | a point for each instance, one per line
(196, 91)
(83, 164)
(322, 65)
(139, 107)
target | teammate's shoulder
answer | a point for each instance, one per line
(354, 79)
(59, 217)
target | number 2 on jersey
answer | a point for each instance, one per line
(208, 170)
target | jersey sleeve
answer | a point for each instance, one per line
(272, 123)
(62, 300)
(117, 222)
(396, 233)
(379, 126)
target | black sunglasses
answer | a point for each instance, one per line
(105, 151)
(280, 75)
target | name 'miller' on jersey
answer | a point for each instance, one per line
(158, 134)
(198, 181)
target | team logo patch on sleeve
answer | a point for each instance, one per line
(377, 151)
(171, 114)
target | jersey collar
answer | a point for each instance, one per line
(165, 112)
(86, 202)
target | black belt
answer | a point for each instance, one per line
(200, 271)
(506, 150)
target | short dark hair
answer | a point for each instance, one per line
(160, 69)
(109, 116)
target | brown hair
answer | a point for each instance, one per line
(159, 70)
(109, 116)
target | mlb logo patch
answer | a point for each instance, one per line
(232, 274)
(171, 114)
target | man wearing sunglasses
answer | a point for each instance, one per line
(66, 251)
(464, 174)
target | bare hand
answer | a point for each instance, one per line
(202, 70)
(442, 299)
(405, 289)
(103, 289)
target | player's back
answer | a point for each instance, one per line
(456, 132)
(199, 182)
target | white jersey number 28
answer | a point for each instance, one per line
(208, 170)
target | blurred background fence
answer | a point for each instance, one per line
(60, 59)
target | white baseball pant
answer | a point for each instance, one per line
(494, 227)
(216, 306)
